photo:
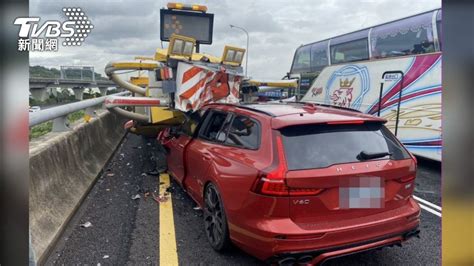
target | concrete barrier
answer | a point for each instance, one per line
(63, 166)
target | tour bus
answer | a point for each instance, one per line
(391, 70)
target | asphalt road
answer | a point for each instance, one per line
(126, 231)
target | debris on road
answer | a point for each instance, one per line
(160, 198)
(110, 174)
(137, 196)
(153, 172)
(144, 174)
(161, 170)
(197, 208)
(86, 224)
(105, 257)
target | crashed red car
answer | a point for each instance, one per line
(293, 182)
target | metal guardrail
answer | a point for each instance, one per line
(59, 113)
(71, 81)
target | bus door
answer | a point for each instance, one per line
(295, 91)
(305, 83)
(390, 77)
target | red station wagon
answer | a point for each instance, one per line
(293, 182)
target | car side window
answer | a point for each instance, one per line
(213, 128)
(244, 132)
(193, 120)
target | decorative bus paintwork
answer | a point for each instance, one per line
(348, 71)
(357, 85)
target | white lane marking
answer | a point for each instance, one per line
(430, 210)
(427, 203)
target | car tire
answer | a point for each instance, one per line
(215, 220)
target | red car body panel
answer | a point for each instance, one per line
(274, 226)
(321, 115)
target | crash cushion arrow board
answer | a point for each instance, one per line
(198, 85)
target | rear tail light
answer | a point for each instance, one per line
(412, 176)
(272, 187)
(273, 183)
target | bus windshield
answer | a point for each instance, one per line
(301, 62)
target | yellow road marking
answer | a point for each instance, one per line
(168, 251)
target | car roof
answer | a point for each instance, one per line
(298, 113)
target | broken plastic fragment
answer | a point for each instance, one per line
(105, 256)
(86, 224)
(197, 208)
(159, 198)
(136, 197)
(154, 172)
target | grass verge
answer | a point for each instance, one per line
(46, 127)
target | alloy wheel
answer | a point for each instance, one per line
(214, 218)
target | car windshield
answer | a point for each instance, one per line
(318, 146)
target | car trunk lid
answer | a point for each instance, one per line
(327, 157)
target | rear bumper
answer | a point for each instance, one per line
(273, 239)
(317, 257)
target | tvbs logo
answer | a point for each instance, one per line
(73, 31)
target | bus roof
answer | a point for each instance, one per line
(368, 28)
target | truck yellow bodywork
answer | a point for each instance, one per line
(161, 55)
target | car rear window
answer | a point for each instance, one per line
(318, 146)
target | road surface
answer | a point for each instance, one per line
(126, 231)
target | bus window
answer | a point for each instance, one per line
(319, 56)
(413, 35)
(438, 27)
(356, 50)
(301, 62)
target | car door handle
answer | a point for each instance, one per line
(206, 156)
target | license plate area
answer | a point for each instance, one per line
(362, 193)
